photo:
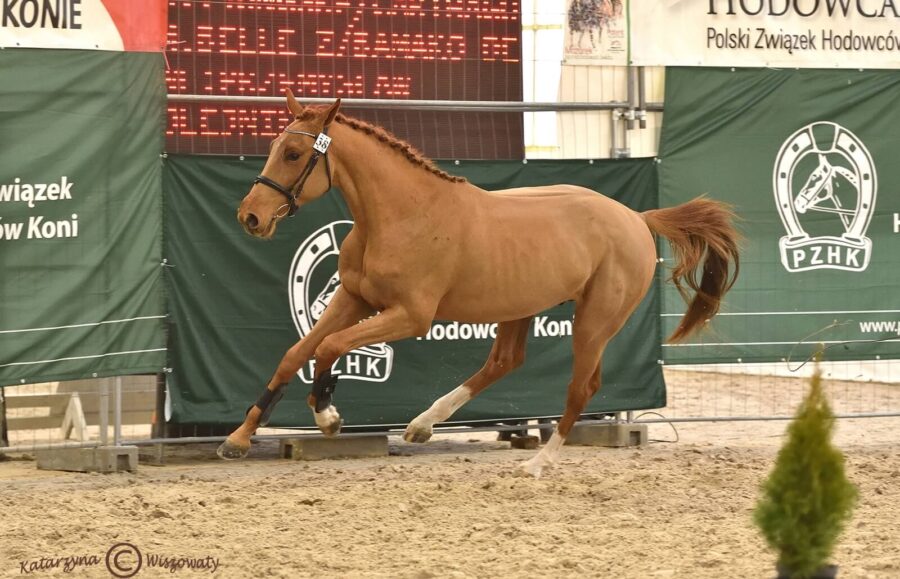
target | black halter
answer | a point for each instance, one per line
(320, 149)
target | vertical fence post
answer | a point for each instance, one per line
(642, 98)
(4, 434)
(117, 412)
(632, 99)
(158, 429)
(104, 411)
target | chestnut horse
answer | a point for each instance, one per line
(426, 245)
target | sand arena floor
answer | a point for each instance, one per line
(450, 508)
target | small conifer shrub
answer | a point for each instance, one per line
(807, 497)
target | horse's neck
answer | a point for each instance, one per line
(382, 187)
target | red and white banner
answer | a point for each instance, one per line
(133, 25)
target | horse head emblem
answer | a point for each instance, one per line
(819, 189)
(324, 298)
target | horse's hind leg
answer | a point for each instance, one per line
(581, 390)
(344, 311)
(597, 319)
(507, 354)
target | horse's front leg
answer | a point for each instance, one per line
(343, 311)
(394, 323)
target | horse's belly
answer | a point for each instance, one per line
(482, 311)
(501, 295)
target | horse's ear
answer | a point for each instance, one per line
(332, 112)
(293, 106)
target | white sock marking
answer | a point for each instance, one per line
(444, 407)
(327, 417)
(551, 449)
(546, 457)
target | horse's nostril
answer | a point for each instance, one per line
(251, 221)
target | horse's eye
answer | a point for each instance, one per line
(292, 156)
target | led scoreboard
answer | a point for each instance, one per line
(377, 49)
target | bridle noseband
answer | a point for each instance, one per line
(320, 149)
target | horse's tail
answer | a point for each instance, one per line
(695, 229)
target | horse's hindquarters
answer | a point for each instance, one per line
(543, 250)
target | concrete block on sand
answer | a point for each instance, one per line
(341, 447)
(616, 435)
(525, 442)
(104, 459)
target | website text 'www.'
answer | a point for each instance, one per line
(880, 327)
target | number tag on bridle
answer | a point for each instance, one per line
(322, 142)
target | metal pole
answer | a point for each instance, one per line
(409, 105)
(629, 123)
(491, 428)
(438, 431)
(49, 446)
(104, 411)
(613, 147)
(642, 98)
(117, 412)
(617, 152)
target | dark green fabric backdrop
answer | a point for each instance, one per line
(231, 315)
(81, 134)
(819, 272)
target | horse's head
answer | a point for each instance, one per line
(296, 172)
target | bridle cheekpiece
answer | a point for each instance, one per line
(291, 193)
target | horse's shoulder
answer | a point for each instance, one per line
(352, 250)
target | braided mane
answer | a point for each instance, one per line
(411, 153)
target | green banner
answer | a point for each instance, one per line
(808, 159)
(80, 214)
(233, 299)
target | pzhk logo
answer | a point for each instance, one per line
(825, 168)
(313, 280)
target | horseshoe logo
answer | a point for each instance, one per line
(824, 168)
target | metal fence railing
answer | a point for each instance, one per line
(79, 413)
(720, 392)
(129, 410)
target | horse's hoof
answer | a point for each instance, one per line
(230, 451)
(417, 434)
(332, 429)
(329, 421)
(528, 469)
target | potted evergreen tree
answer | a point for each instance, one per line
(807, 497)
